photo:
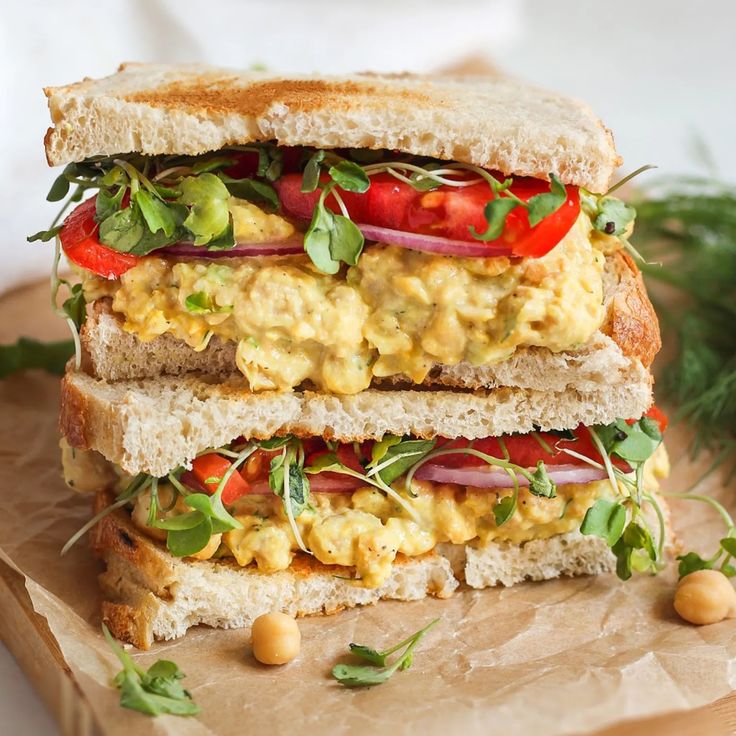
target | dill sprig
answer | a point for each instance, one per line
(686, 228)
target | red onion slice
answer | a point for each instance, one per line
(328, 482)
(432, 243)
(278, 248)
(488, 477)
(294, 246)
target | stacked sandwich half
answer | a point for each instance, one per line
(347, 339)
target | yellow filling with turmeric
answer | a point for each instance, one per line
(365, 530)
(397, 312)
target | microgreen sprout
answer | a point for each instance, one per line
(378, 670)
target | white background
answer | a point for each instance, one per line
(659, 72)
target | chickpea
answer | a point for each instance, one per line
(276, 638)
(142, 508)
(705, 597)
(206, 552)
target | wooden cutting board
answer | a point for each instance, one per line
(27, 635)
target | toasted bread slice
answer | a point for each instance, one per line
(150, 595)
(499, 123)
(628, 342)
(155, 425)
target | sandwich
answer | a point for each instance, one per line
(344, 339)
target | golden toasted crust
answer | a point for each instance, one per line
(222, 95)
(73, 416)
(496, 122)
(127, 623)
(117, 534)
(631, 320)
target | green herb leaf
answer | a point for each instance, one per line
(496, 212)
(623, 559)
(200, 302)
(505, 508)
(328, 461)
(252, 190)
(370, 655)
(180, 522)
(107, 204)
(60, 187)
(332, 238)
(605, 519)
(366, 676)
(346, 241)
(638, 537)
(138, 240)
(45, 235)
(206, 165)
(27, 354)
(543, 205)
(275, 443)
(184, 542)
(213, 508)
(729, 544)
(691, 562)
(380, 448)
(123, 230)
(541, 484)
(153, 692)
(361, 675)
(164, 678)
(399, 457)
(317, 240)
(275, 166)
(348, 176)
(310, 177)
(628, 556)
(631, 442)
(157, 213)
(225, 240)
(207, 199)
(613, 216)
(298, 483)
(75, 306)
(425, 183)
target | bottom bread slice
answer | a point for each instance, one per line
(151, 595)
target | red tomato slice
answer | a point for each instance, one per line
(345, 454)
(654, 412)
(447, 212)
(78, 237)
(209, 471)
(525, 450)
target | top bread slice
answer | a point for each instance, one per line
(618, 354)
(496, 122)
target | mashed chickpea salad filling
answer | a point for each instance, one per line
(359, 506)
(334, 268)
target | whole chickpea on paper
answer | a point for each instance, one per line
(275, 638)
(705, 597)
